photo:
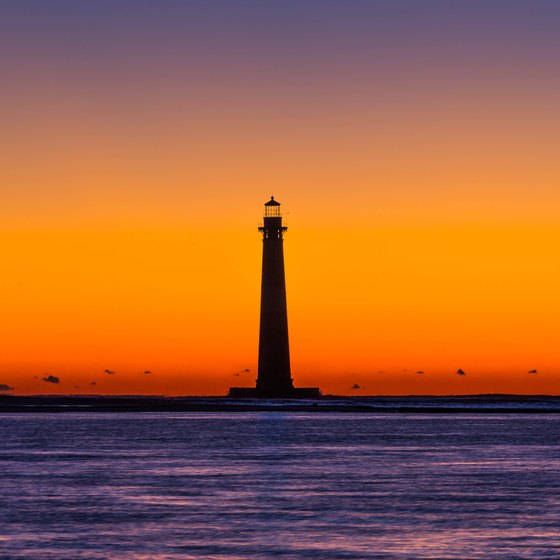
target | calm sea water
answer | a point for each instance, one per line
(279, 485)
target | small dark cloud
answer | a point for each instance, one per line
(109, 372)
(355, 387)
(420, 372)
(76, 386)
(147, 372)
(93, 383)
(533, 371)
(51, 379)
(246, 370)
(236, 375)
(5, 387)
(460, 372)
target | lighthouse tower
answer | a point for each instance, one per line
(274, 349)
(274, 375)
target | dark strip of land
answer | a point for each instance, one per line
(479, 404)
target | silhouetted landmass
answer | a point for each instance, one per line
(487, 404)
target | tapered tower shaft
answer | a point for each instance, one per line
(274, 375)
(274, 378)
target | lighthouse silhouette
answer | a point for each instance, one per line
(274, 373)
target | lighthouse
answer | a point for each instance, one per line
(274, 375)
(274, 378)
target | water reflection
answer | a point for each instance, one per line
(279, 485)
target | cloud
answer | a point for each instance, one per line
(147, 372)
(236, 374)
(93, 383)
(109, 372)
(532, 371)
(51, 379)
(460, 372)
(420, 372)
(4, 387)
(355, 386)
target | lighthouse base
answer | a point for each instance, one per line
(294, 393)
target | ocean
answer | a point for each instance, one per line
(279, 484)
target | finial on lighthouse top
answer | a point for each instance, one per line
(272, 208)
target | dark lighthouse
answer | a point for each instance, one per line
(274, 348)
(274, 376)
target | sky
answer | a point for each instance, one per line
(413, 146)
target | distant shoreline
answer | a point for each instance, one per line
(454, 404)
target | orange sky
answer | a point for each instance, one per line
(418, 172)
(183, 303)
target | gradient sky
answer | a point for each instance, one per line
(413, 144)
